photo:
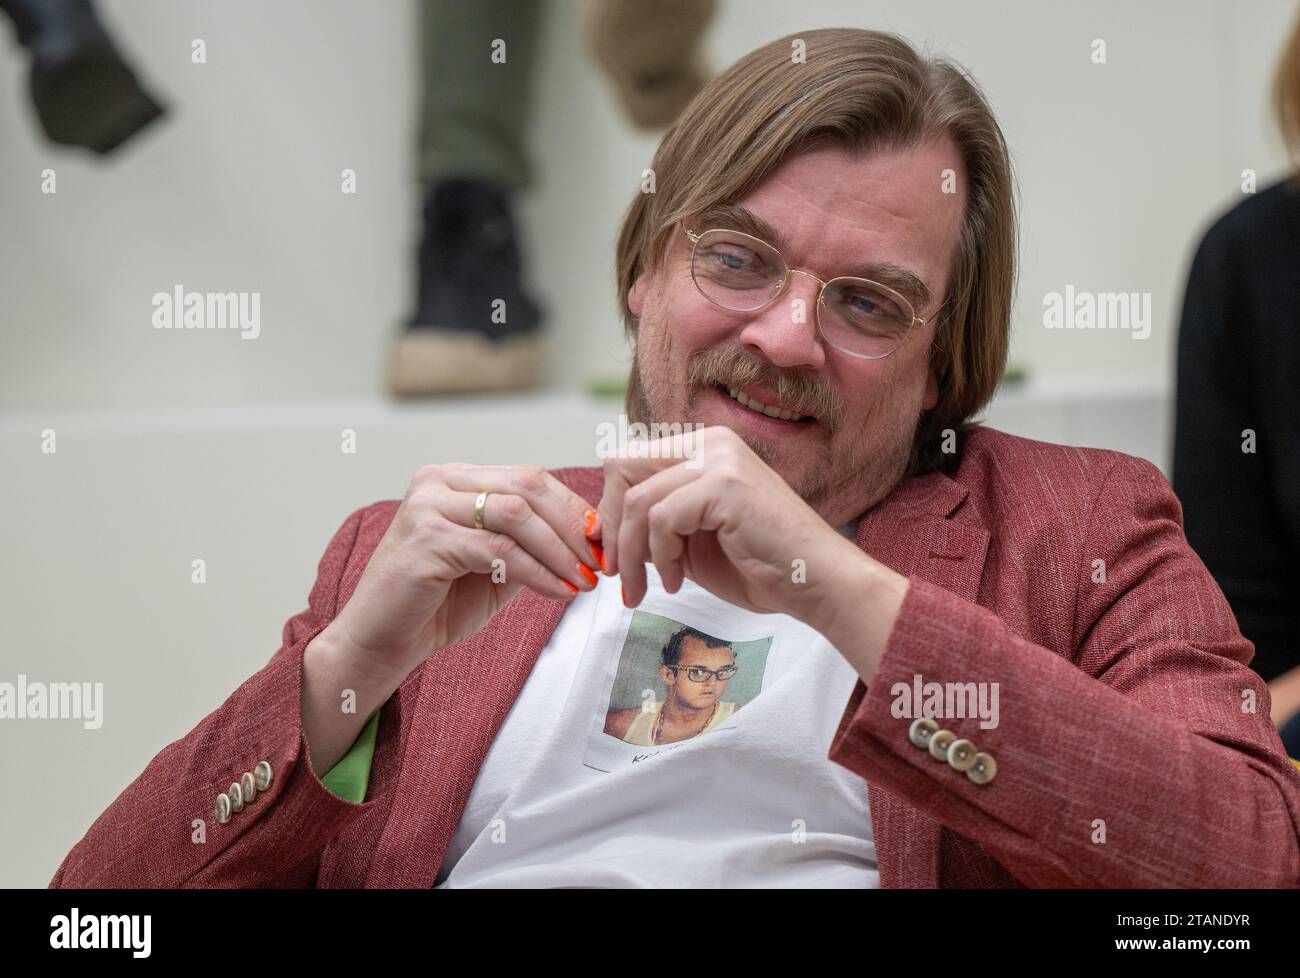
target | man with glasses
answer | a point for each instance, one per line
(823, 280)
(695, 669)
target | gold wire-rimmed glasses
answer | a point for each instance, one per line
(742, 273)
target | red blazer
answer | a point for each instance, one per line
(1125, 707)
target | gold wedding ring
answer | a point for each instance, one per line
(480, 503)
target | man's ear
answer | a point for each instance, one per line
(636, 294)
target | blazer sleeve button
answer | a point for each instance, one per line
(262, 775)
(939, 742)
(920, 731)
(222, 810)
(961, 755)
(249, 786)
(236, 794)
(984, 769)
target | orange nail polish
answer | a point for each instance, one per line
(571, 587)
(591, 522)
(598, 552)
(588, 573)
(623, 594)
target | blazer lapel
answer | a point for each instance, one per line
(920, 530)
(451, 731)
(463, 698)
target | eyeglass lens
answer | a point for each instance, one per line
(743, 273)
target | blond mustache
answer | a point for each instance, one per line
(796, 392)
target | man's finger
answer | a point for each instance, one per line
(554, 503)
(478, 551)
(634, 529)
(620, 475)
(512, 516)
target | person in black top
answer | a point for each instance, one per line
(1237, 415)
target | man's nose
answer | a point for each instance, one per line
(786, 331)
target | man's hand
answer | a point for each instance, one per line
(435, 579)
(735, 527)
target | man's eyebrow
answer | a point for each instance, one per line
(734, 217)
(738, 218)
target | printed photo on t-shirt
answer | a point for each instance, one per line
(675, 683)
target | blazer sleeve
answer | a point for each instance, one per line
(162, 831)
(1147, 759)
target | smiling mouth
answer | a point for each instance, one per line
(758, 407)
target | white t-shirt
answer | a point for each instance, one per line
(598, 779)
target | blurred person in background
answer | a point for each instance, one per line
(82, 88)
(1237, 440)
(475, 327)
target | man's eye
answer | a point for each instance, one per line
(866, 305)
(734, 258)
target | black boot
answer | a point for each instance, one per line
(83, 91)
(474, 328)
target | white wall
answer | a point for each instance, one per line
(181, 445)
(1120, 166)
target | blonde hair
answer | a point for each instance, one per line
(1286, 96)
(864, 90)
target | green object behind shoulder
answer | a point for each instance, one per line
(349, 777)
